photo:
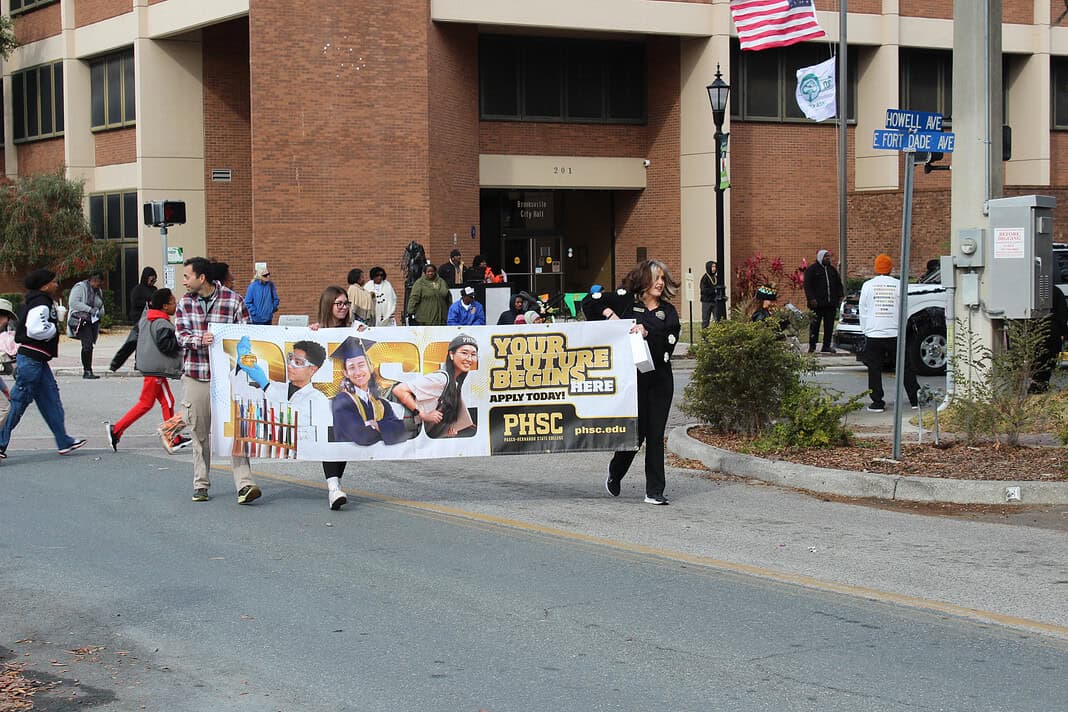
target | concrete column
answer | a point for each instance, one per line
(698, 172)
(977, 174)
(170, 139)
(1029, 117)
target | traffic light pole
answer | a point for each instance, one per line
(168, 272)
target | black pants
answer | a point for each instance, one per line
(876, 353)
(655, 390)
(333, 469)
(824, 315)
(88, 335)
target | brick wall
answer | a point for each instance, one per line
(650, 218)
(1019, 11)
(926, 8)
(39, 157)
(86, 12)
(550, 139)
(228, 144)
(115, 147)
(340, 139)
(454, 136)
(37, 24)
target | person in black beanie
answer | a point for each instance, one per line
(38, 339)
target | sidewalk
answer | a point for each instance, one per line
(69, 361)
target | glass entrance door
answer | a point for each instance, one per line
(534, 263)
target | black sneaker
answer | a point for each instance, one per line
(113, 439)
(873, 408)
(78, 442)
(201, 495)
(89, 376)
(612, 485)
(3, 454)
(179, 443)
(248, 494)
(655, 500)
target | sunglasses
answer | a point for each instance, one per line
(342, 304)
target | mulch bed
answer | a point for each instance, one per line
(957, 460)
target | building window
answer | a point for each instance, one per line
(111, 80)
(927, 81)
(764, 84)
(547, 79)
(37, 102)
(1059, 101)
(113, 216)
(18, 6)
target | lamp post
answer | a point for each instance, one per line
(718, 92)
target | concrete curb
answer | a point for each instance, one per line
(847, 483)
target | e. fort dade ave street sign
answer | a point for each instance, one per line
(913, 131)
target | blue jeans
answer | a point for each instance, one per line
(34, 382)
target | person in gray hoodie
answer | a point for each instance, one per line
(86, 310)
(158, 357)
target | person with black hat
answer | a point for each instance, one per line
(453, 270)
(765, 297)
(466, 311)
(360, 415)
(38, 338)
(436, 397)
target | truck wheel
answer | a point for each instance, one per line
(928, 352)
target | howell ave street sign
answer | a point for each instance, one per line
(913, 131)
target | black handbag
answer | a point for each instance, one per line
(77, 320)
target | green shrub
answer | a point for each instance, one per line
(811, 417)
(744, 371)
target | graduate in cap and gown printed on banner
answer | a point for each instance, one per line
(360, 415)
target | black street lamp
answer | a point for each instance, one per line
(718, 93)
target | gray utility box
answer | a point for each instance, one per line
(1018, 254)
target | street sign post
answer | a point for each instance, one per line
(910, 132)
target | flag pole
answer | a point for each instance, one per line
(843, 114)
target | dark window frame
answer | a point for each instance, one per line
(20, 6)
(936, 63)
(789, 59)
(522, 53)
(106, 85)
(100, 221)
(28, 93)
(1058, 68)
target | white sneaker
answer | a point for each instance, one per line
(337, 499)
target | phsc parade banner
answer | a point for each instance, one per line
(388, 393)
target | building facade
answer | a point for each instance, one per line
(562, 140)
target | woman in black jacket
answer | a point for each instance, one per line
(651, 284)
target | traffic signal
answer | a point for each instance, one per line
(161, 213)
(932, 158)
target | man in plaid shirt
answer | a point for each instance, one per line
(206, 302)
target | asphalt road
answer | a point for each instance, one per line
(385, 606)
(509, 583)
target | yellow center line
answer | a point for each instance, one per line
(874, 594)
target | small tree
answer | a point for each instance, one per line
(42, 225)
(758, 271)
(744, 372)
(7, 37)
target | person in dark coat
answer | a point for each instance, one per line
(519, 307)
(360, 416)
(651, 285)
(823, 290)
(709, 281)
(1058, 331)
(142, 293)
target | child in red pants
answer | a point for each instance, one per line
(158, 357)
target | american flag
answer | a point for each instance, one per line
(763, 24)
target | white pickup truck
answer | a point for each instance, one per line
(926, 341)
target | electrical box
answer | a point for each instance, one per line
(970, 247)
(1018, 254)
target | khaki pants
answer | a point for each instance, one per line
(196, 399)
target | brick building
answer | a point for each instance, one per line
(562, 140)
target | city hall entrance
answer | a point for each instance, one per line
(549, 242)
